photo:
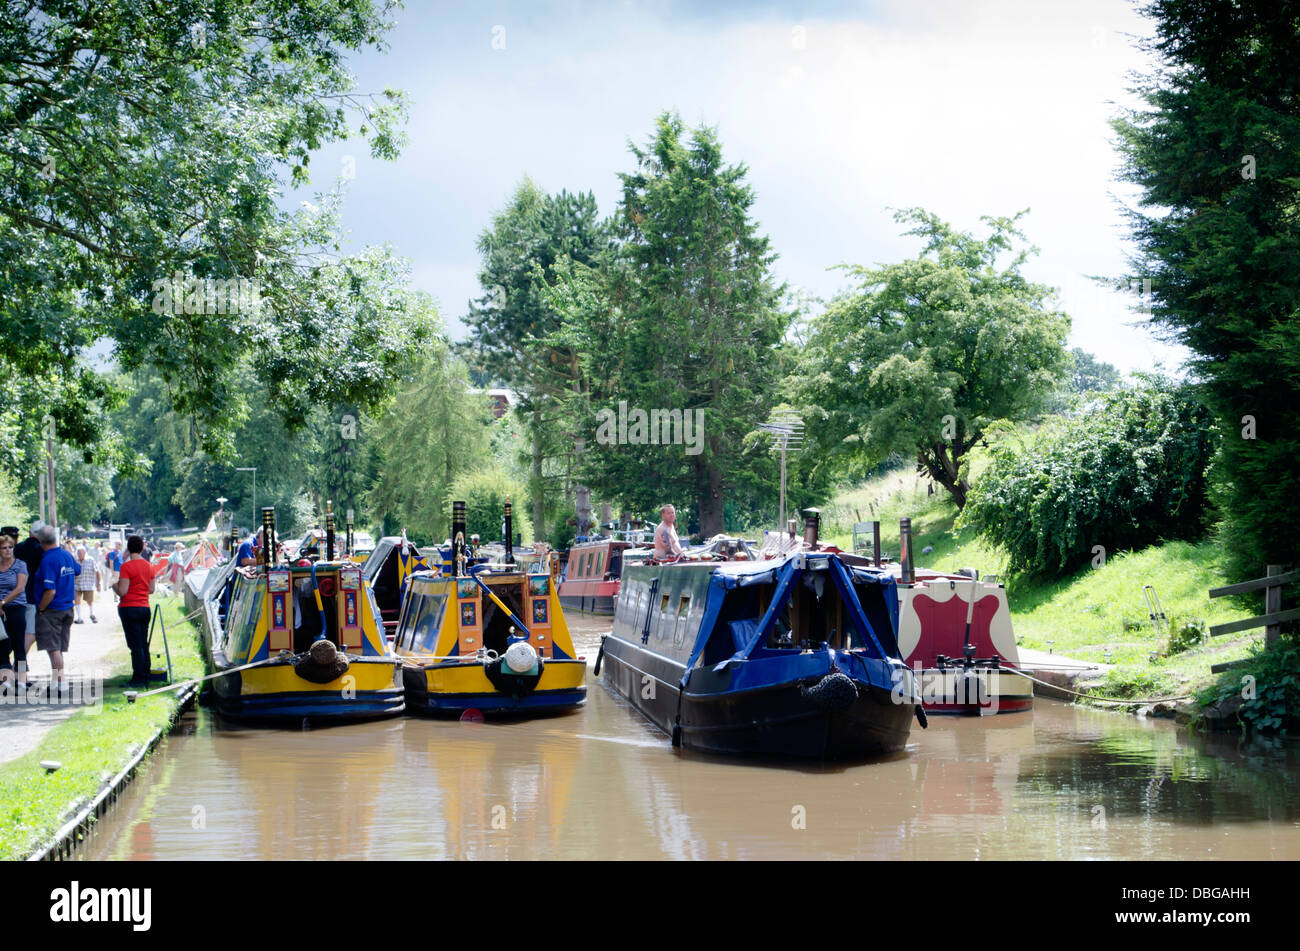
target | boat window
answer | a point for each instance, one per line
(600, 562)
(683, 612)
(427, 622)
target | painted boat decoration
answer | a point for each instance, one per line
(954, 631)
(489, 637)
(794, 656)
(301, 642)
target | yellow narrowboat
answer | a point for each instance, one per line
(489, 637)
(303, 641)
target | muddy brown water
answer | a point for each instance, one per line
(1060, 782)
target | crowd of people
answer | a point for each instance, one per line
(45, 583)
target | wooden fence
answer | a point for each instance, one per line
(1273, 615)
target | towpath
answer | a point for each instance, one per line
(24, 722)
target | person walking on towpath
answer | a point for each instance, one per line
(56, 579)
(136, 583)
(87, 584)
(13, 597)
(31, 552)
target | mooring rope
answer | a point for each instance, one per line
(1091, 696)
(133, 697)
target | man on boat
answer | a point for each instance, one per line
(247, 554)
(667, 547)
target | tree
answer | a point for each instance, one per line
(1090, 375)
(436, 430)
(1127, 474)
(513, 326)
(1215, 153)
(687, 320)
(141, 154)
(929, 352)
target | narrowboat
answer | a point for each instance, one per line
(386, 569)
(489, 637)
(301, 642)
(954, 632)
(591, 575)
(794, 656)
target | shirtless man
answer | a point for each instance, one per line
(667, 548)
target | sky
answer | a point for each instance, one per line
(840, 111)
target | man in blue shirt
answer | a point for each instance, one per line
(247, 554)
(56, 582)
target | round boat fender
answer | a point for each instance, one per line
(834, 692)
(677, 735)
(321, 663)
(921, 718)
(508, 679)
(600, 655)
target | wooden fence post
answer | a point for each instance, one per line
(1273, 605)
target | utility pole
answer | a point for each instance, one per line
(49, 461)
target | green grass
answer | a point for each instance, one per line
(1084, 615)
(93, 745)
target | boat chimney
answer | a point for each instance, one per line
(875, 542)
(457, 536)
(268, 535)
(905, 551)
(329, 530)
(510, 535)
(234, 538)
(812, 522)
(351, 541)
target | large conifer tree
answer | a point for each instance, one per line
(1215, 151)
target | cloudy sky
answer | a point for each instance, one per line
(841, 111)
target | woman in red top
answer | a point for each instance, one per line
(134, 585)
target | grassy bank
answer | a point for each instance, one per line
(1087, 615)
(93, 745)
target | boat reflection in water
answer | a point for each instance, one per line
(794, 657)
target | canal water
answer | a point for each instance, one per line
(1060, 783)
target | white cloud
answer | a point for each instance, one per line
(965, 109)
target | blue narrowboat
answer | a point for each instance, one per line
(796, 656)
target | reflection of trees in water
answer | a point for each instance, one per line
(1165, 774)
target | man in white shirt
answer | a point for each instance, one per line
(667, 548)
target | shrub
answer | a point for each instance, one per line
(1186, 634)
(484, 493)
(1127, 472)
(1268, 684)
